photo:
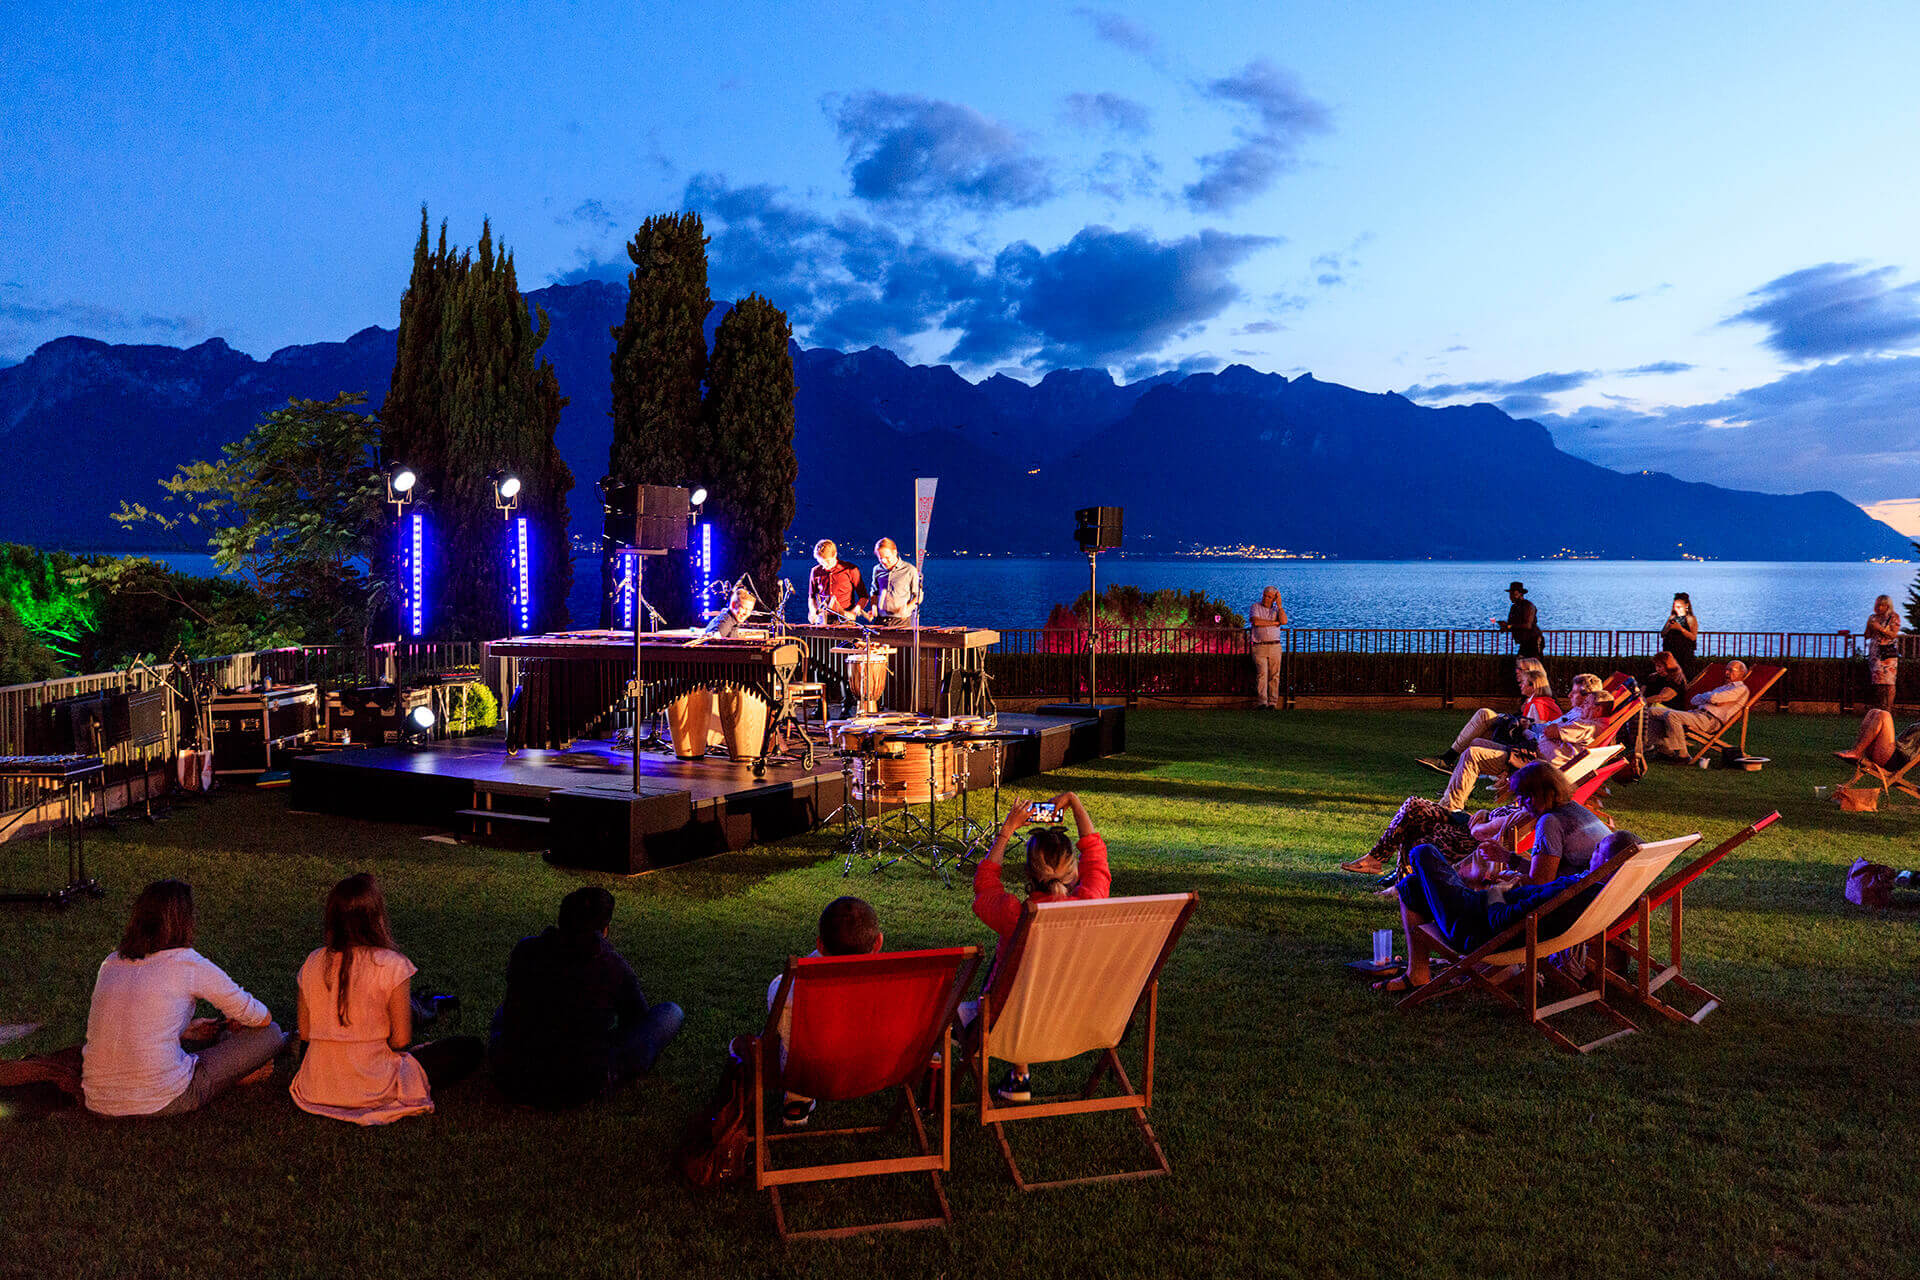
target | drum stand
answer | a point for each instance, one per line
(865, 835)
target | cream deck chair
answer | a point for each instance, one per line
(1067, 983)
(1516, 953)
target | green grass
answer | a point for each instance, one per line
(1313, 1129)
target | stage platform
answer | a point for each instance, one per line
(581, 805)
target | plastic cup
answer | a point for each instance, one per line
(1382, 945)
(1822, 792)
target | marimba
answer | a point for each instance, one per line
(71, 773)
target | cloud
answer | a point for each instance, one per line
(1835, 309)
(1106, 111)
(1283, 117)
(1846, 426)
(593, 214)
(1658, 366)
(590, 266)
(97, 319)
(1654, 292)
(1262, 326)
(1103, 297)
(1170, 370)
(903, 149)
(1540, 384)
(1120, 174)
(1121, 31)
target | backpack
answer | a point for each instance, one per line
(1870, 885)
(718, 1147)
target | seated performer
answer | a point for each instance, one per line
(739, 609)
(896, 586)
(833, 588)
(1712, 711)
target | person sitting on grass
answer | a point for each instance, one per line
(356, 1017)
(1711, 712)
(1470, 908)
(1488, 747)
(1056, 869)
(574, 1022)
(143, 1003)
(848, 927)
(1878, 744)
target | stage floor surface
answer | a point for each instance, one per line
(581, 804)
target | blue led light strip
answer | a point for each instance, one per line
(416, 604)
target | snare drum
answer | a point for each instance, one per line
(912, 770)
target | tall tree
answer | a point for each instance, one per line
(746, 441)
(659, 364)
(473, 397)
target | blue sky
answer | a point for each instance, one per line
(1681, 235)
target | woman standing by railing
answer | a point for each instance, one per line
(1883, 651)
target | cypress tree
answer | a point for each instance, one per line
(413, 421)
(659, 364)
(747, 441)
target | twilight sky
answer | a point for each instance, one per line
(1680, 235)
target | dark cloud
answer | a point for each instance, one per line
(1540, 384)
(1846, 426)
(95, 319)
(1118, 30)
(594, 214)
(1107, 111)
(1120, 174)
(1283, 117)
(1170, 370)
(1104, 297)
(1658, 366)
(903, 149)
(590, 266)
(1523, 406)
(1835, 309)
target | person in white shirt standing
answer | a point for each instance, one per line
(143, 1000)
(1267, 617)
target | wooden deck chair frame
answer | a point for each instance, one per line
(1582, 767)
(1631, 937)
(996, 1115)
(1584, 794)
(1517, 954)
(768, 1076)
(1890, 780)
(1759, 679)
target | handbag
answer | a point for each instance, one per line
(1858, 799)
(1883, 651)
(1511, 732)
(1870, 885)
(718, 1147)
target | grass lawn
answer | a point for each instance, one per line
(1312, 1128)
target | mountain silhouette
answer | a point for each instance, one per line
(1212, 459)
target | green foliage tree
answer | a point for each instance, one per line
(659, 364)
(23, 659)
(295, 509)
(746, 441)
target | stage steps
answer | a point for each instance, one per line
(507, 808)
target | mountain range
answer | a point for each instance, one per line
(1236, 457)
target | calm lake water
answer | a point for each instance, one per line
(1601, 594)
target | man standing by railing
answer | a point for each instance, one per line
(1266, 619)
(1523, 622)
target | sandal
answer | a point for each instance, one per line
(1367, 865)
(1397, 984)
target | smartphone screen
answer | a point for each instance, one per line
(1044, 811)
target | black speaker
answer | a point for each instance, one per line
(1099, 528)
(647, 517)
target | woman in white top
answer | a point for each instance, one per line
(143, 1000)
(356, 1015)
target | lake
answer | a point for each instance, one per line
(1010, 593)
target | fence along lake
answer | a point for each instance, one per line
(1010, 594)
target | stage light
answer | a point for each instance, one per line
(506, 491)
(699, 497)
(510, 486)
(416, 576)
(421, 718)
(400, 482)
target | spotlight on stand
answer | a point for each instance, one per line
(506, 491)
(418, 726)
(400, 482)
(699, 498)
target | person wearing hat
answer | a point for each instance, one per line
(1523, 622)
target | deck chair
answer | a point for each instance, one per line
(1517, 953)
(1631, 936)
(1890, 780)
(861, 1025)
(1583, 766)
(1067, 983)
(1758, 681)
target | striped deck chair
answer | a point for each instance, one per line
(1517, 954)
(861, 1025)
(1067, 983)
(1631, 936)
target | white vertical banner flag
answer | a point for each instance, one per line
(923, 488)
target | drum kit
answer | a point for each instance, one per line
(894, 763)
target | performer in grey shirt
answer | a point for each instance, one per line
(1267, 617)
(896, 585)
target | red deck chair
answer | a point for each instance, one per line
(861, 1025)
(1650, 973)
(1067, 983)
(1583, 794)
(1758, 681)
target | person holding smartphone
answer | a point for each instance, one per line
(1680, 633)
(1057, 869)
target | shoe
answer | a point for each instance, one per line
(796, 1113)
(1015, 1086)
(1436, 763)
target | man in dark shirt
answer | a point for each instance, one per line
(834, 587)
(739, 609)
(1523, 623)
(574, 1021)
(1665, 682)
